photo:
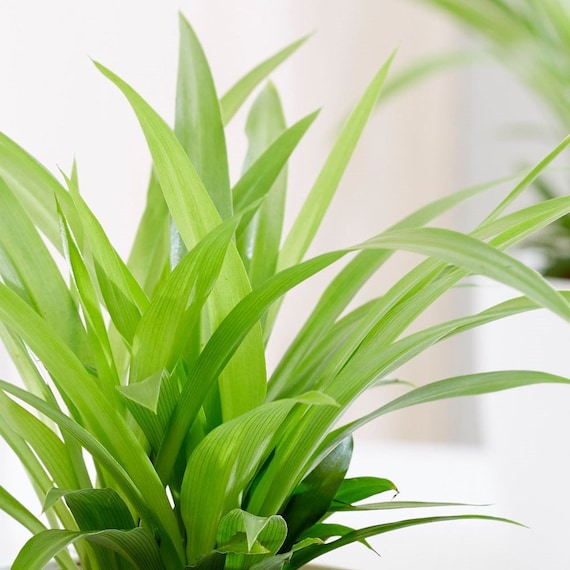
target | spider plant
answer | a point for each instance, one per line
(532, 39)
(148, 424)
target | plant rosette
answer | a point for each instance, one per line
(155, 366)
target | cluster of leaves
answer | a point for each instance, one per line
(155, 367)
(532, 39)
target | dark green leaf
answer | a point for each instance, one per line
(313, 497)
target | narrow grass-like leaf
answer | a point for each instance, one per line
(198, 122)
(124, 298)
(148, 260)
(97, 334)
(40, 479)
(18, 512)
(305, 555)
(477, 257)
(35, 187)
(29, 269)
(260, 175)
(45, 443)
(258, 243)
(470, 385)
(238, 93)
(527, 180)
(392, 505)
(309, 218)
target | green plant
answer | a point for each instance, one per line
(532, 40)
(155, 367)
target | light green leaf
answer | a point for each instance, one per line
(235, 97)
(471, 385)
(148, 260)
(124, 298)
(35, 188)
(309, 218)
(478, 258)
(347, 283)
(305, 555)
(198, 123)
(46, 444)
(259, 242)
(261, 174)
(391, 505)
(28, 268)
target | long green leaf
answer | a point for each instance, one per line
(27, 267)
(236, 95)
(198, 122)
(124, 298)
(45, 443)
(259, 242)
(149, 257)
(478, 258)
(305, 555)
(259, 176)
(34, 186)
(309, 218)
(470, 385)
